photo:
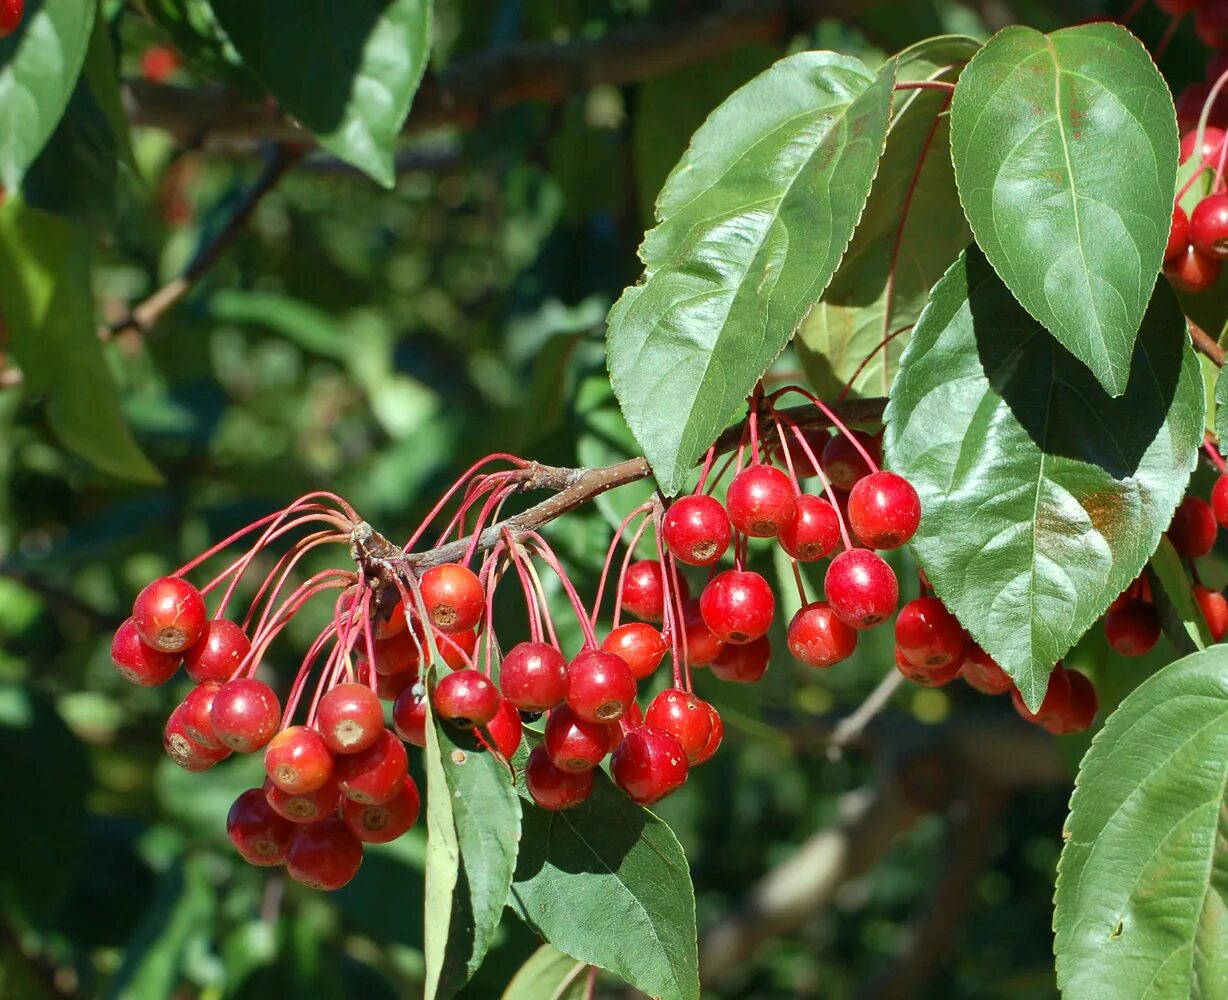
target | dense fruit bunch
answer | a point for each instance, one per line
(337, 777)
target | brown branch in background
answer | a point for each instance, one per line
(464, 93)
(1205, 344)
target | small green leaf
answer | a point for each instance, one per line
(607, 883)
(1065, 151)
(548, 975)
(1180, 615)
(751, 225)
(39, 66)
(46, 302)
(1042, 496)
(1142, 888)
(473, 833)
(1221, 412)
(911, 231)
(349, 76)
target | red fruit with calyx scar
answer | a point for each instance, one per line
(818, 638)
(533, 676)
(928, 636)
(304, 807)
(324, 855)
(843, 462)
(553, 788)
(1209, 226)
(374, 775)
(743, 663)
(761, 500)
(737, 605)
(683, 716)
(298, 760)
(259, 834)
(453, 597)
(926, 676)
(861, 588)
(169, 614)
(383, 823)
(639, 645)
(649, 764)
(218, 653)
(350, 718)
(184, 750)
(137, 662)
(196, 711)
(466, 698)
(814, 531)
(600, 686)
(697, 530)
(245, 714)
(575, 744)
(884, 510)
(980, 671)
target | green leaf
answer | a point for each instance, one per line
(39, 66)
(911, 231)
(193, 28)
(473, 833)
(1221, 412)
(751, 225)
(1142, 888)
(1042, 496)
(1065, 151)
(46, 302)
(1180, 615)
(349, 77)
(548, 975)
(606, 882)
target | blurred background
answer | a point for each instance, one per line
(375, 343)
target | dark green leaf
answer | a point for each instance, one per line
(606, 882)
(47, 305)
(473, 833)
(911, 231)
(1042, 496)
(548, 975)
(193, 28)
(1142, 889)
(39, 66)
(348, 78)
(1065, 150)
(1180, 615)
(752, 223)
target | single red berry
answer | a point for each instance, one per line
(298, 760)
(743, 663)
(1212, 140)
(245, 714)
(1133, 629)
(376, 774)
(814, 531)
(576, 744)
(11, 12)
(533, 676)
(1055, 703)
(1193, 528)
(399, 653)
(738, 605)
(683, 716)
(457, 648)
(1209, 226)
(505, 729)
(466, 698)
(926, 676)
(136, 662)
(218, 653)
(927, 635)
(818, 638)
(981, 671)
(324, 855)
(197, 708)
(600, 686)
(259, 834)
(1081, 707)
(393, 623)
(714, 739)
(884, 510)
(184, 750)
(169, 614)
(761, 500)
(304, 807)
(639, 645)
(350, 718)
(701, 644)
(648, 765)
(643, 593)
(697, 530)
(1214, 609)
(1192, 271)
(1219, 501)
(1211, 24)
(844, 464)
(453, 597)
(1178, 235)
(158, 63)
(861, 589)
(383, 823)
(1138, 587)
(553, 788)
(409, 717)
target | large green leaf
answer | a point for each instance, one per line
(348, 74)
(1142, 888)
(607, 883)
(39, 66)
(47, 305)
(911, 231)
(751, 226)
(473, 832)
(1065, 150)
(548, 975)
(1042, 496)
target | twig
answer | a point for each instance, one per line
(1205, 344)
(850, 728)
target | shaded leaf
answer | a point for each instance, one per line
(751, 225)
(1065, 150)
(1180, 615)
(1142, 889)
(548, 975)
(1042, 496)
(1221, 412)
